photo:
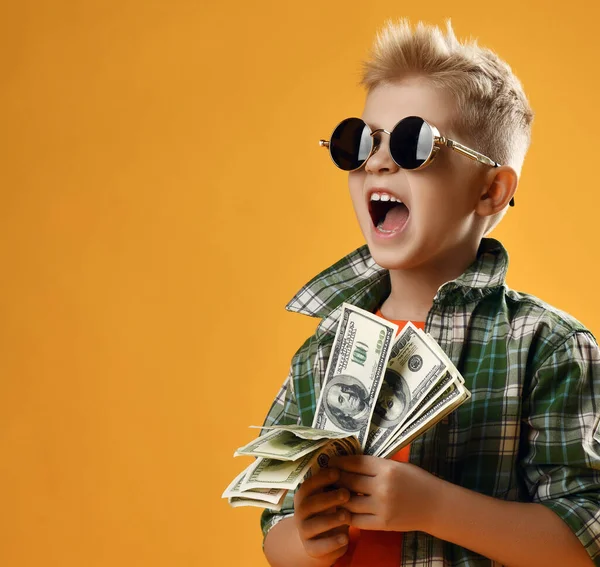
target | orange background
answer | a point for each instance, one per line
(164, 195)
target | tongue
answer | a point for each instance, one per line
(395, 218)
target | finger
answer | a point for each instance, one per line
(339, 530)
(319, 547)
(361, 464)
(357, 483)
(360, 505)
(318, 481)
(322, 523)
(320, 502)
(333, 557)
(323, 478)
(366, 522)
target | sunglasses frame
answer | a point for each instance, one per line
(438, 142)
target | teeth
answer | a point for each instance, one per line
(381, 229)
(384, 197)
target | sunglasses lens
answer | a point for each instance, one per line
(411, 142)
(350, 144)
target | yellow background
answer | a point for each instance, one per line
(164, 195)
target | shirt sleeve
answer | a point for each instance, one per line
(283, 411)
(561, 457)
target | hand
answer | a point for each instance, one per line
(387, 495)
(322, 526)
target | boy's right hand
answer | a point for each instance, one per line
(322, 526)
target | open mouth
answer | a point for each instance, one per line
(388, 216)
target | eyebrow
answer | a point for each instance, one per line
(376, 126)
(371, 124)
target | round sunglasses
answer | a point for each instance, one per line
(414, 143)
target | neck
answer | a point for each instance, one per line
(413, 290)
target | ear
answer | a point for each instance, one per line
(500, 184)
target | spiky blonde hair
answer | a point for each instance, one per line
(493, 113)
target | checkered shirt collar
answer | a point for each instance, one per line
(359, 280)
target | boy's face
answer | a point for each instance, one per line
(439, 216)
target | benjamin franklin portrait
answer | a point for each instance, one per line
(346, 402)
(393, 400)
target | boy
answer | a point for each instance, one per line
(512, 476)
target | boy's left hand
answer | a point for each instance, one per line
(386, 494)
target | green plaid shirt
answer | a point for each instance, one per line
(530, 430)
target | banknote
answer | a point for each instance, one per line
(451, 399)
(271, 473)
(441, 387)
(451, 368)
(271, 495)
(281, 444)
(305, 432)
(236, 502)
(444, 387)
(438, 390)
(442, 391)
(354, 373)
(379, 393)
(413, 370)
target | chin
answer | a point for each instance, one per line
(398, 256)
(392, 259)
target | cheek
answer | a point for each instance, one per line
(355, 183)
(436, 196)
(457, 178)
(356, 187)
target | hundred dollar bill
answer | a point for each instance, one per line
(305, 432)
(440, 392)
(354, 373)
(415, 366)
(456, 395)
(271, 473)
(282, 445)
(451, 368)
(452, 376)
(271, 495)
(439, 389)
(236, 502)
(455, 389)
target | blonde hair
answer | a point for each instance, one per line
(493, 113)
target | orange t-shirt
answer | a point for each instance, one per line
(371, 547)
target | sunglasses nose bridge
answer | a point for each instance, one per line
(380, 130)
(376, 145)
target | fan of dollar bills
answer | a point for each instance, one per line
(379, 393)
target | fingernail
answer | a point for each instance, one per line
(333, 474)
(341, 516)
(342, 494)
(342, 539)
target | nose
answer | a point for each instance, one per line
(381, 159)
